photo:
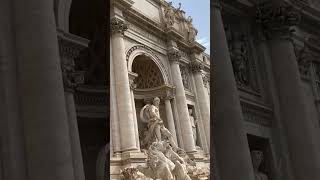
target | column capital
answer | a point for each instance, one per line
(196, 66)
(118, 25)
(174, 55)
(70, 50)
(170, 93)
(277, 21)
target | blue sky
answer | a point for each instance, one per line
(199, 10)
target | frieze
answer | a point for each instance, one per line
(146, 34)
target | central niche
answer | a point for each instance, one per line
(149, 73)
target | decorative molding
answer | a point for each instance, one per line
(146, 51)
(141, 47)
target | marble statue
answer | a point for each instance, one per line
(192, 32)
(165, 160)
(193, 125)
(257, 157)
(156, 129)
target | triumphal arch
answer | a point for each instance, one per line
(159, 93)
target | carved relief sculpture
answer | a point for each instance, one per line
(239, 59)
(257, 157)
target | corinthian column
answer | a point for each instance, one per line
(115, 139)
(41, 93)
(202, 94)
(121, 82)
(170, 119)
(71, 79)
(230, 141)
(181, 101)
(303, 146)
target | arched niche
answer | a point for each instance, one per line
(143, 51)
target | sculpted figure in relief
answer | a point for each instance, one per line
(257, 157)
(240, 59)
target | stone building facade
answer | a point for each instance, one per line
(154, 54)
(266, 92)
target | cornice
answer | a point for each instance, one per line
(124, 4)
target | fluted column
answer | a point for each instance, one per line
(196, 67)
(41, 93)
(170, 119)
(302, 142)
(115, 139)
(181, 101)
(132, 76)
(229, 137)
(121, 80)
